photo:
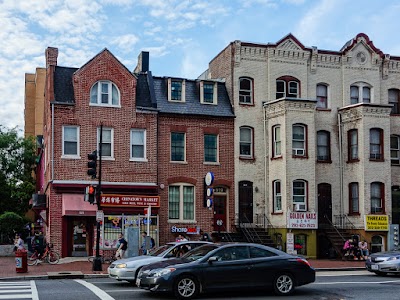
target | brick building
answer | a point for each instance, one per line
(316, 139)
(143, 139)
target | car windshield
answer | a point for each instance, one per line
(160, 250)
(199, 252)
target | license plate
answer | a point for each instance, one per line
(138, 282)
(374, 267)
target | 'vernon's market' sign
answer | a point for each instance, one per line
(302, 220)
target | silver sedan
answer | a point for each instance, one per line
(383, 263)
(128, 268)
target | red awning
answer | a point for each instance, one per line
(74, 205)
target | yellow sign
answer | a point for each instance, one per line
(376, 223)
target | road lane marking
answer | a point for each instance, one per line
(356, 282)
(97, 291)
(35, 294)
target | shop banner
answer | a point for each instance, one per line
(129, 201)
(376, 223)
(302, 220)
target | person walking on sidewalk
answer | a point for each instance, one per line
(122, 246)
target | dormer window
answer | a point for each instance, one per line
(104, 93)
(208, 92)
(176, 90)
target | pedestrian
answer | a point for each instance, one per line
(122, 246)
(148, 243)
(38, 244)
(181, 238)
(363, 246)
(205, 236)
(347, 247)
(18, 243)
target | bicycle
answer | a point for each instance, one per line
(49, 256)
(104, 259)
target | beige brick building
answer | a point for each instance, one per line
(316, 138)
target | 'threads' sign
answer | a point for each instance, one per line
(376, 222)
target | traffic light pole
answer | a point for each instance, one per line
(97, 265)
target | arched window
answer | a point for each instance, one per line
(299, 135)
(246, 142)
(299, 192)
(394, 99)
(245, 90)
(277, 194)
(376, 144)
(377, 197)
(322, 95)
(323, 146)
(181, 199)
(360, 92)
(376, 244)
(287, 86)
(104, 93)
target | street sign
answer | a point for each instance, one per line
(209, 202)
(99, 216)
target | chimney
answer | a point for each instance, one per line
(143, 62)
(51, 56)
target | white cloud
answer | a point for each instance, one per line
(125, 42)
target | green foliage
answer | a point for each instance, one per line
(17, 159)
(11, 223)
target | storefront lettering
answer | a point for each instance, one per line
(131, 201)
(187, 230)
(302, 220)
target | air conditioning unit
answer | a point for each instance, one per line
(298, 151)
(299, 207)
(39, 200)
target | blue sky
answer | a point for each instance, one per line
(182, 36)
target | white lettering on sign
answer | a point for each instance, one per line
(302, 220)
(187, 230)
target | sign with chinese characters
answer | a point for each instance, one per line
(129, 201)
(377, 223)
(186, 229)
(302, 220)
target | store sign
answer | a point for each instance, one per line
(186, 229)
(290, 243)
(129, 201)
(302, 220)
(377, 223)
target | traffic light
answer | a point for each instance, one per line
(92, 194)
(92, 164)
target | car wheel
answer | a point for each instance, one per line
(186, 287)
(381, 273)
(283, 284)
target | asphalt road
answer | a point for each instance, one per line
(328, 286)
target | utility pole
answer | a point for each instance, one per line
(97, 265)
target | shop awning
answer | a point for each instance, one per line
(74, 205)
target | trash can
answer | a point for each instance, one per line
(21, 261)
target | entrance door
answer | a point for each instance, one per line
(324, 204)
(219, 212)
(80, 237)
(245, 202)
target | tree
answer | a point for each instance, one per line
(17, 161)
(10, 224)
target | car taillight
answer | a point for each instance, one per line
(303, 261)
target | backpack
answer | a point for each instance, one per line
(125, 246)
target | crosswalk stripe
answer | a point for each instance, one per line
(19, 296)
(18, 290)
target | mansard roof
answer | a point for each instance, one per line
(63, 88)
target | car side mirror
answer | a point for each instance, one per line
(212, 259)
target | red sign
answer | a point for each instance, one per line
(129, 201)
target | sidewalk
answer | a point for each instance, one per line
(80, 267)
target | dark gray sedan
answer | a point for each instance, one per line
(227, 267)
(383, 263)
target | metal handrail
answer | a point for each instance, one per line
(270, 228)
(250, 234)
(334, 227)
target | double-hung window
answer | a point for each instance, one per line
(245, 90)
(104, 93)
(276, 132)
(394, 99)
(360, 92)
(352, 144)
(287, 86)
(210, 148)
(322, 96)
(181, 202)
(208, 92)
(354, 198)
(107, 144)
(323, 146)
(376, 144)
(246, 142)
(299, 191)
(277, 196)
(395, 149)
(138, 144)
(176, 90)
(70, 145)
(178, 146)
(377, 197)
(299, 140)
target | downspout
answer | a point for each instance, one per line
(266, 165)
(341, 175)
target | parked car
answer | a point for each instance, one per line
(127, 268)
(227, 267)
(382, 263)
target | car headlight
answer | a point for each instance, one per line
(120, 266)
(161, 272)
(394, 258)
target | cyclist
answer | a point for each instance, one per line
(38, 244)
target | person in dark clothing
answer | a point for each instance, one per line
(38, 243)
(205, 236)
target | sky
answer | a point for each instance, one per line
(182, 36)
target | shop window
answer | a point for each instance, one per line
(300, 244)
(377, 244)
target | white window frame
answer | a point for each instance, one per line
(215, 92)
(303, 196)
(246, 141)
(143, 132)
(322, 100)
(374, 188)
(111, 142)
(109, 94)
(183, 89)
(245, 97)
(394, 99)
(277, 141)
(299, 151)
(359, 95)
(181, 219)
(277, 195)
(395, 151)
(77, 155)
